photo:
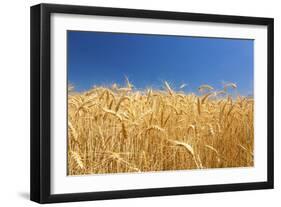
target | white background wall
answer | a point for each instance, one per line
(14, 103)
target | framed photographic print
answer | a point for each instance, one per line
(133, 103)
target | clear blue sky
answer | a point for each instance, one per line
(100, 58)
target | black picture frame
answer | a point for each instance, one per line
(41, 97)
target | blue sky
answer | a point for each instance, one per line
(100, 58)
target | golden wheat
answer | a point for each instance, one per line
(120, 129)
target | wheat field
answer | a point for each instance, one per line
(120, 129)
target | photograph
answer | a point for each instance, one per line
(152, 102)
(130, 103)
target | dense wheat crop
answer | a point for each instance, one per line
(115, 129)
